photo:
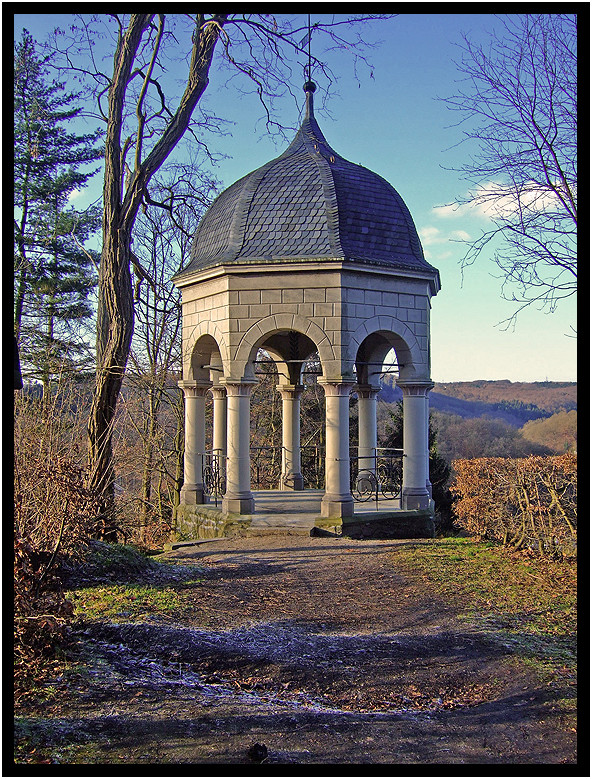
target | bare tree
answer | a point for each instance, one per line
(518, 101)
(161, 245)
(142, 130)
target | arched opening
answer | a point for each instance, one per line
(377, 471)
(286, 365)
(402, 474)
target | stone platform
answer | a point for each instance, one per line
(285, 512)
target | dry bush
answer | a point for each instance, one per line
(148, 458)
(53, 508)
(526, 503)
(54, 515)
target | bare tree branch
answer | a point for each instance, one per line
(522, 92)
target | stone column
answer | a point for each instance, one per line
(219, 420)
(415, 444)
(238, 498)
(338, 500)
(367, 431)
(427, 413)
(195, 441)
(291, 478)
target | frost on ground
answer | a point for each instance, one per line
(318, 649)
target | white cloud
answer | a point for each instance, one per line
(494, 200)
(459, 235)
(431, 236)
(75, 194)
(449, 210)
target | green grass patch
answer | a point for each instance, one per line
(124, 601)
(120, 583)
(529, 603)
(524, 603)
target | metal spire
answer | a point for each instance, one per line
(310, 86)
(309, 57)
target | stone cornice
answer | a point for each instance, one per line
(298, 265)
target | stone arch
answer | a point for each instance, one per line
(208, 347)
(400, 337)
(242, 365)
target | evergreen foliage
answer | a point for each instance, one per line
(54, 275)
(440, 470)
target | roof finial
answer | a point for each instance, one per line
(310, 86)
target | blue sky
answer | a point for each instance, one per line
(394, 125)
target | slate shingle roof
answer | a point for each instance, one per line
(308, 203)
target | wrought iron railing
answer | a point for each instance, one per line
(266, 467)
(312, 460)
(377, 476)
(214, 474)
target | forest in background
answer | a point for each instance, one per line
(513, 402)
(498, 418)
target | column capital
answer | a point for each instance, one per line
(290, 391)
(194, 389)
(366, 390)
(238, 387)
(416, 388)
(218, 391)
(336, 388)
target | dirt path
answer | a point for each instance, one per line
(320, 649)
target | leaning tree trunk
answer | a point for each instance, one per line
(115, 316)
(115, 312)
(115, 324)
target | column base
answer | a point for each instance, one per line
(191, 494)
(337, 507)
(294, 481)
(415, 498)
(242, 505)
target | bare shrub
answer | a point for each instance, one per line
(54, 515)
(148, 456)
(529, 502)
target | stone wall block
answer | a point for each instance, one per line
(271, 295)
(354, 295)
(260, 311)
(250, 296)
(314, 295)
(292, 296)
(364, 312)
(373, 297)
(323, 309)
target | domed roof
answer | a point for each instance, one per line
(308, 204)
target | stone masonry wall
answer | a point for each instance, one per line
(339, 302)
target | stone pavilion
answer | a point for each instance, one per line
(308, 254)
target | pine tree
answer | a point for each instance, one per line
(54, 275)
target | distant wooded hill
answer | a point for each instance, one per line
(512, 402)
